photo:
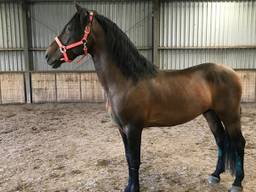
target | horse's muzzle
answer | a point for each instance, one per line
(53, 60)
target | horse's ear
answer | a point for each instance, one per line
(78, 7)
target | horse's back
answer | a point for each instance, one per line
(217, 76)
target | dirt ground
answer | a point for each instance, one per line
(76, 147)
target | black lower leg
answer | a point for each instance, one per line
(239, 161)
(220, 167)
(219, 134)
(132, 142)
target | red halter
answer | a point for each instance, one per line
(83, 41)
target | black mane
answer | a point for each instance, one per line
(123, 52)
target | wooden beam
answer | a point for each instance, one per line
(27, 53)
(156, 31)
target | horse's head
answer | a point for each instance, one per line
(74, 40)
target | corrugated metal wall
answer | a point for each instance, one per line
(193, 32)
(11, 37)
(48, 18)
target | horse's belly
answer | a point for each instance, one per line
(177, 105)
(174, 114)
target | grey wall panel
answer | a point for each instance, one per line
(235, 58)
(48, 19)
(11, 31)
(207, 24)
(12, 61)
(11, 37)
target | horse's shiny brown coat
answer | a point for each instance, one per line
(169, 97)
(175, 97)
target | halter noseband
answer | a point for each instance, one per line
(83, 41)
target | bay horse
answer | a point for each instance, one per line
(139, 95)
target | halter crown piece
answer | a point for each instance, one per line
(83, 41)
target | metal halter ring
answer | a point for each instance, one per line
(85, 43)
(63, 50)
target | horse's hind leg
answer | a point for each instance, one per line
(219, 134)
(235, 149)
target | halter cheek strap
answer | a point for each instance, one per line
(83, 41)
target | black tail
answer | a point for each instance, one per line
(230, 155)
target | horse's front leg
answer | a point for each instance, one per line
(132, 141)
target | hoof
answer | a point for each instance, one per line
(213, 180)
(235, 189)
(132, 188)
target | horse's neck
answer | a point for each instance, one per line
(109, 75)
